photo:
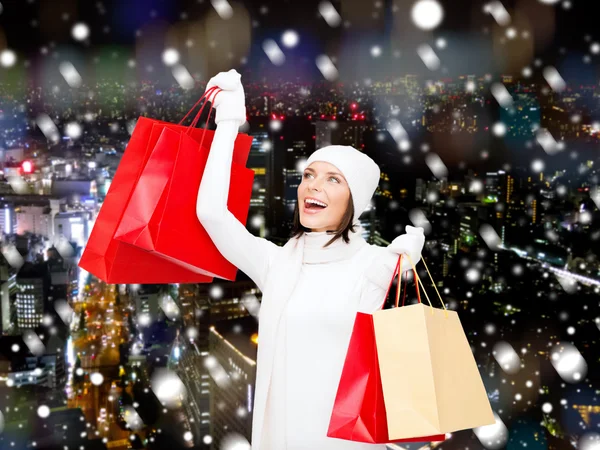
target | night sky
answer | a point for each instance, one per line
(560, 33)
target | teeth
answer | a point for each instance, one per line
(310, 200)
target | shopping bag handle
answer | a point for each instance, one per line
(397, 271)
(433, 283)
(417, 282)
(205, 96)
(197, 118)
(208, 92)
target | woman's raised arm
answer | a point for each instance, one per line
(249, 253)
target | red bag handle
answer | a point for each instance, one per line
(197, 118)
(397, 270)
(208, 92)
(205, 96)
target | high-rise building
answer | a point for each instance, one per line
(33, 283)
(419, 190)
(335, 132)
(258, 161)
(8, 297)
(493, 185)
(292, 143)
(195, 312)
(34, 219)
(370, 224)
(8, 219)
(47, 368)
(267, 192)
(190, 365)
(146, 298)
(232, 352)
(64, 275)
(469, 225)
(73, 226)
(296, 155)
(534, 211)
(509, 188)
(202, 306)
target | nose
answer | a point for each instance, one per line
(314, 183)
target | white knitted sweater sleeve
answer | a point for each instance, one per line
(249, 253)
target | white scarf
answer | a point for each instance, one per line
(282, 278)
(314, 253)
(306, 249)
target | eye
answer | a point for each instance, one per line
(306, 175)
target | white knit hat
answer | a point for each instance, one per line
(361, 172)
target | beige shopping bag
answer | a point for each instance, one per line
(431, 383)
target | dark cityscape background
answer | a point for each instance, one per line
(486, 126)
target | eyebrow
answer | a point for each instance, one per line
(328, 173)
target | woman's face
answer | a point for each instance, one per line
(323, 182)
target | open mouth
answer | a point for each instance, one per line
(313, 206)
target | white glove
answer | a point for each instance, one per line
(410, 244)
(381, 271)
(230, 103)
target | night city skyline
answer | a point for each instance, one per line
(485, 123)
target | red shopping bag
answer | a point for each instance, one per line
(161, 215)
(117, 262)
(359, 408)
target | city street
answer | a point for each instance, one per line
(98, 349)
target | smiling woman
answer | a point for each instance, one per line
(322, 185)
(308, 284)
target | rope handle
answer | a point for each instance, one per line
(398, 288)
(417, 282)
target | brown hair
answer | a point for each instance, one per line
(342, 231)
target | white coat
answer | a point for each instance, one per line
(303, 337)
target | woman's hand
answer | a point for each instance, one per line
(382, 269)
(410, 244)
(230, 103)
